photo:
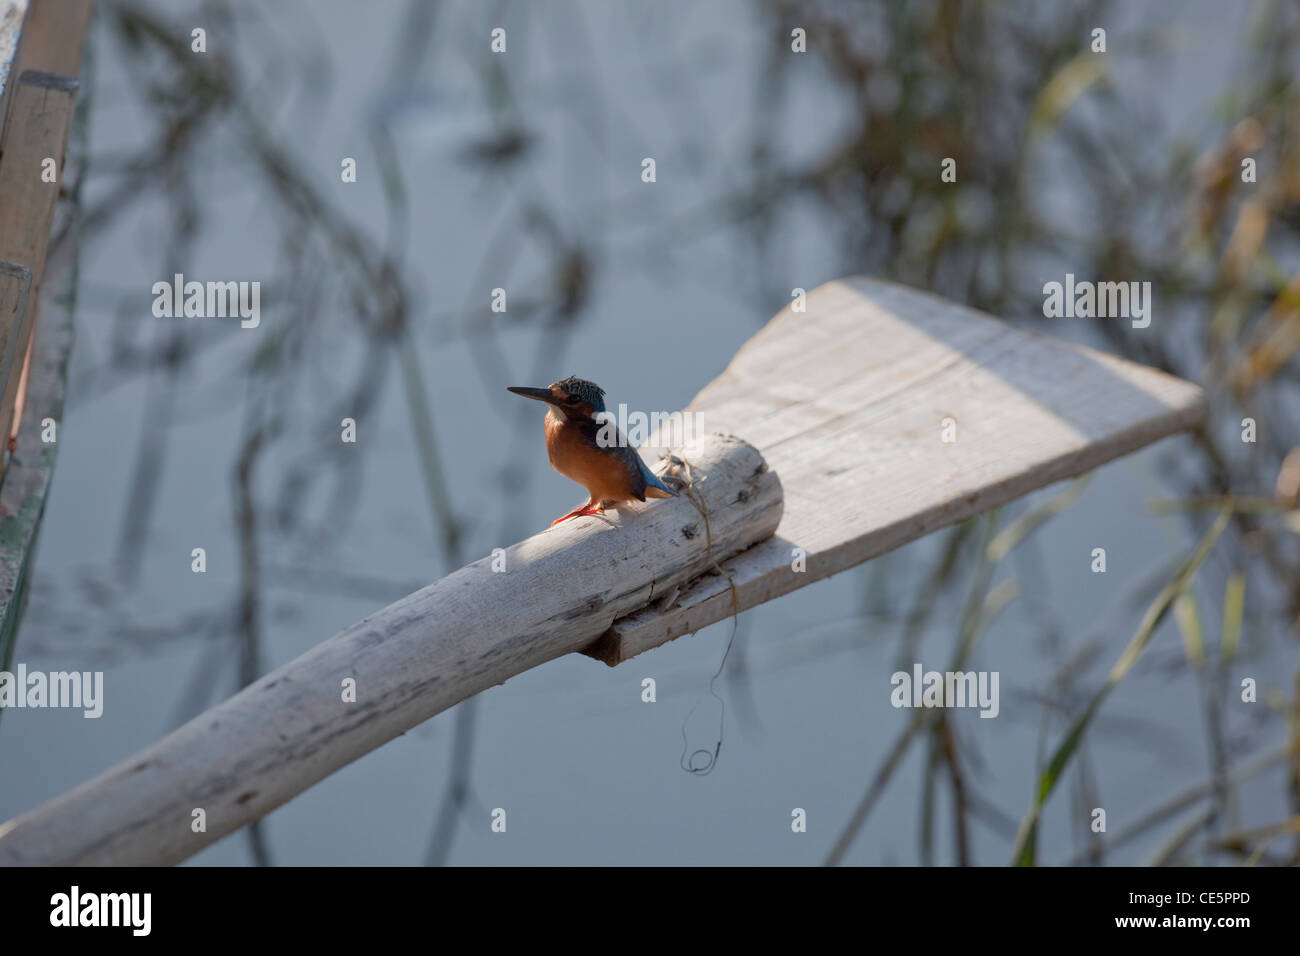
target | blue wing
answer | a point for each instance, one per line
(651, 479)
(639, 473)
(640, 477)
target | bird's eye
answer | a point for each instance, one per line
(573, 399)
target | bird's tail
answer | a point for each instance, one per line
(654, 485)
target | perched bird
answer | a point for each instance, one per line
(603, 463)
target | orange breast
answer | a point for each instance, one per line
(601, 473)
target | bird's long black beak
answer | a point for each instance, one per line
(541, 394)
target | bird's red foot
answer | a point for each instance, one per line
(579, 512)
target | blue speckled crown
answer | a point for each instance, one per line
(589, 392)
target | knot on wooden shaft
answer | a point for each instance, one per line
(735, 501)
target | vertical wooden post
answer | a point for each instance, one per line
(39, 99)
(38, 134)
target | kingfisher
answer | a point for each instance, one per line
(609, 468)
